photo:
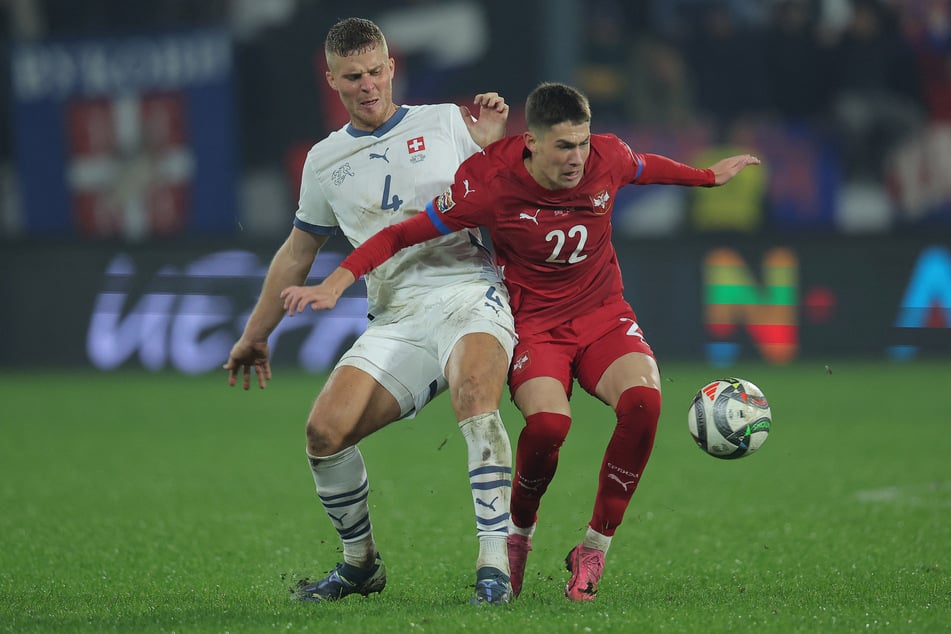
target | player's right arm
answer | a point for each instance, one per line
(289, 266)
(375, 251)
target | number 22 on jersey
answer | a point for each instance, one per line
(579, 233)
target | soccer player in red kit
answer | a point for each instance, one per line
(546, 199)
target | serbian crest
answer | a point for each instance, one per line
(599, 202)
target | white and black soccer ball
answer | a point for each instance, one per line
(729, 418)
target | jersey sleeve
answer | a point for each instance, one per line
(388, 242)
(660, 170)
(314, 212)
(654, 169)
(464, 204)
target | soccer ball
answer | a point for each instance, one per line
(729, 418)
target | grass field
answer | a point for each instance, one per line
(164, 503)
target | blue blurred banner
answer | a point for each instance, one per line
(718, 299)
(129, 137)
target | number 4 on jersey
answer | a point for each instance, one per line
(387, 203)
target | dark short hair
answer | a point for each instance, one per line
(353, 35)
(552, 103)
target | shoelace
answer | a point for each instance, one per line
(592, 559)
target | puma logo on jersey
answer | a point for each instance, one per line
(533, 218)
(468, 191)
(374, 155)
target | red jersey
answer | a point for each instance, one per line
(553, 246)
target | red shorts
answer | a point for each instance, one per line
(582, 348)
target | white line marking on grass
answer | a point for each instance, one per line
(925, 494)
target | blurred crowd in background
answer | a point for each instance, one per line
(847, 101)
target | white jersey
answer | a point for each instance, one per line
(359, 182)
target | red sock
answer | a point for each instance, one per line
(638, 411)
(536, 458)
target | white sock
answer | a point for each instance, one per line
(490, 477)
(342, 487)
(525, 532)
(594, 539)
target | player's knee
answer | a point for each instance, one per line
(476, 394)
(545, 430)
(319, 441)
(328, 431)
(639, 398)
(324, 438)
(639, 403)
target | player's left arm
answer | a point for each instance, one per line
(488, 124)
(658, 169)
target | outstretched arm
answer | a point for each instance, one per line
(489, 124)
(361, 261)
(290, 265)
(657, 169)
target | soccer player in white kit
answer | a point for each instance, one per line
(439, 315)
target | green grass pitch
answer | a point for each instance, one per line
(165, 503)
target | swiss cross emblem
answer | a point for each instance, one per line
(416, 145)
(130, 166)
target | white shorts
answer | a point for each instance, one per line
(408, 356)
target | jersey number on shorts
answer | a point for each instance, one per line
(395, 203)
(634, 330)
(558, 236)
